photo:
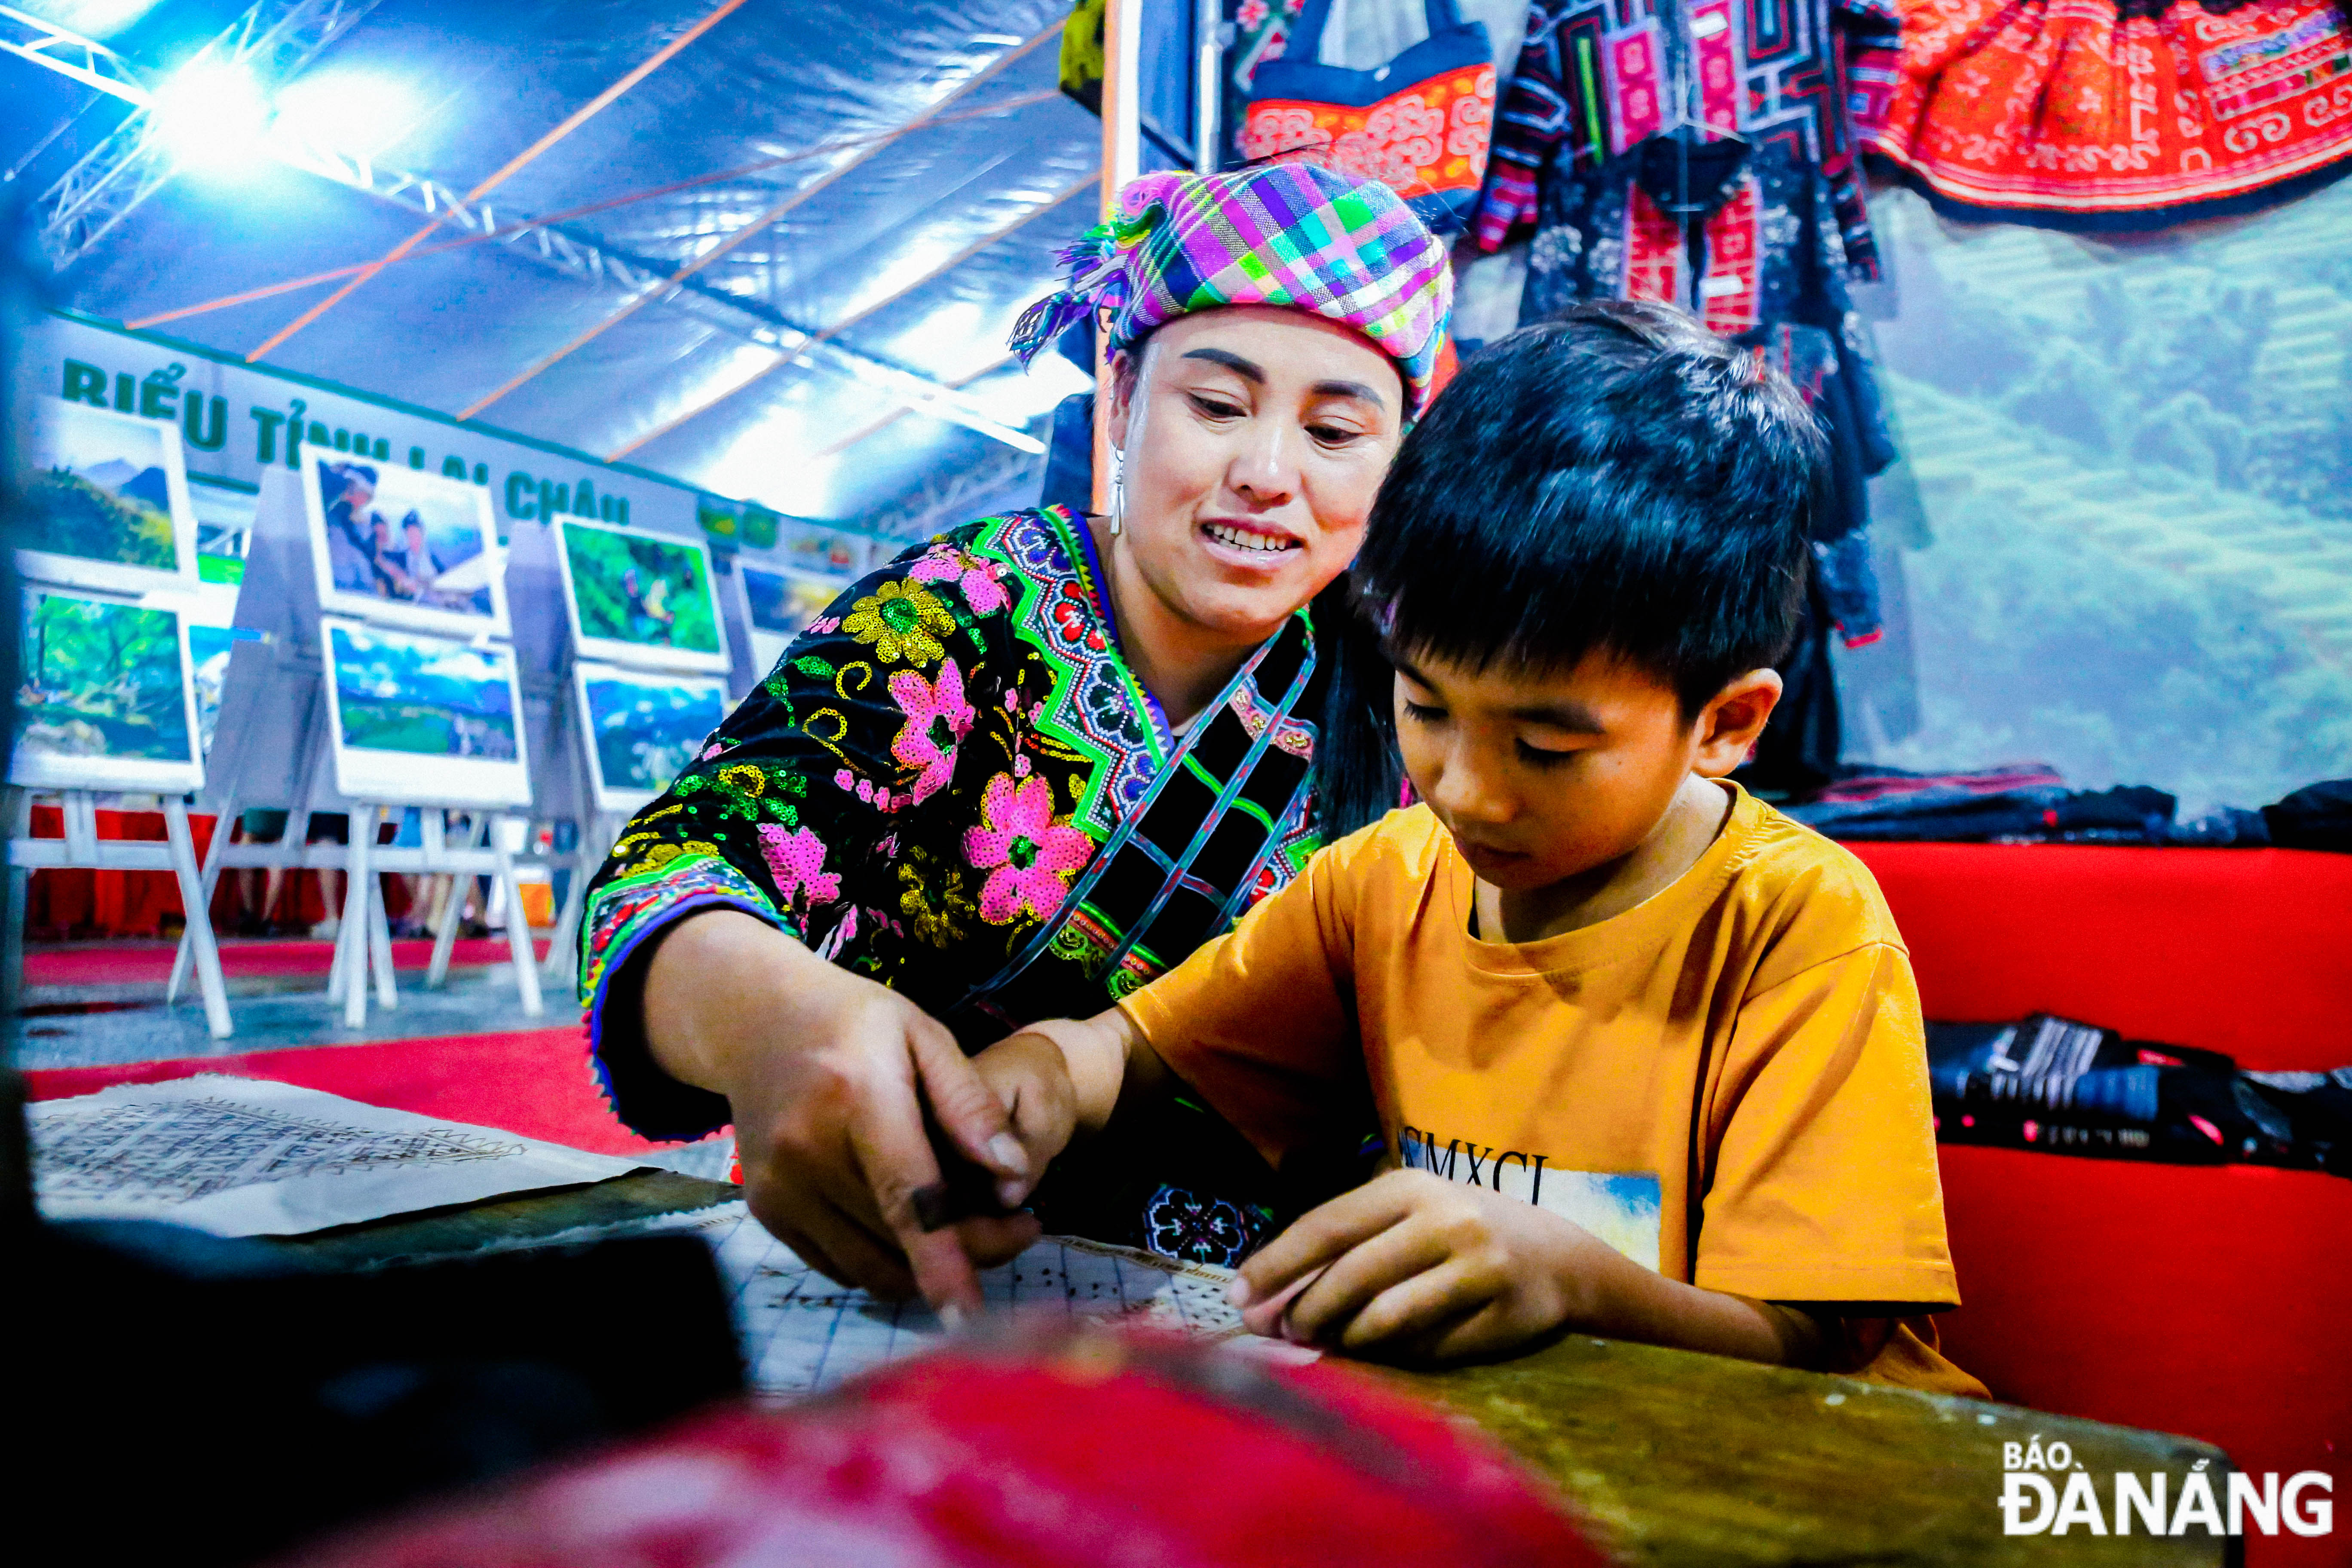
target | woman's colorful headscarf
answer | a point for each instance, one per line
(1293, 235)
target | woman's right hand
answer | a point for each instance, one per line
(828, 1075)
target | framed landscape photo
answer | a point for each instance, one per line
(422, 720)
(644, 727)
(779, 606)
(106, 501)
(104, 698)
(398, 546)
(639, 598)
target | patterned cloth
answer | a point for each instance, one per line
(953, 784)
(2077, 114)
(1293, 235)
(1802, 80)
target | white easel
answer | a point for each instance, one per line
(539, 591)
(82, 847)
(273, 746)
(599, 830)
(363, 936)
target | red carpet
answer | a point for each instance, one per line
(536, 1082)
(124, 962)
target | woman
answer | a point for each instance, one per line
(1039, 759)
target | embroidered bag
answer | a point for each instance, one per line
(1418, 124)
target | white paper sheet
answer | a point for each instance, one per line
(246, 1157)
(802, 1334)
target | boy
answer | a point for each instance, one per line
(1648, 1055)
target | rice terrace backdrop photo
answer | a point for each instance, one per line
(101, 679)
(2121, 542)
(427, 696)
(632, 589)
(99, 487)
(648, 731)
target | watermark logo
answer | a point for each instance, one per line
(2044, 1492)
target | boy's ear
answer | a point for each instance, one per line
(1732, 720)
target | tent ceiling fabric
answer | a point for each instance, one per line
(1001, 181)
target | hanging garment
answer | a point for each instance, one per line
(1419, 123)
(2120, 114)
(1359, 35)
(1597, 77)
(1861, 446)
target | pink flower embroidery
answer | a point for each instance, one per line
(841, 937)
(975, 578)
(938, 718)
(1028, 859)
(795, 857)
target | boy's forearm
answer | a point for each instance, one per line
(1634, 1303)
(1107, 1057)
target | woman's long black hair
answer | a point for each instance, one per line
(1359, 776)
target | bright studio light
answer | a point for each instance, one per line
(210, 115)
(359, 114)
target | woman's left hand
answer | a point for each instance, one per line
(1412, 1265)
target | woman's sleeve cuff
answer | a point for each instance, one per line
(626, 921)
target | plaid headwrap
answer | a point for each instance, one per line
(1295, 235)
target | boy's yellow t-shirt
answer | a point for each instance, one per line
(1728, 1083)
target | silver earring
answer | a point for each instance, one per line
(1117, 494)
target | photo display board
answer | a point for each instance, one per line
(421, 720)
(213, 633)
(640, 599)
(106, 501)
(105, 698)
(224, 531)
(644, 727)
(779, 606)
(401, 547)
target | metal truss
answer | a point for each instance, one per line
(591, 261)
(69, 54)
(275, 39)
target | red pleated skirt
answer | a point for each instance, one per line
(2064, 112)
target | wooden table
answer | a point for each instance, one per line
(1676, 1458)
(1688, 1459)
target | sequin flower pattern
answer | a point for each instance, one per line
(1027, 858)
(938, 718)
(795, 858)
(975, 578)
(902, 621)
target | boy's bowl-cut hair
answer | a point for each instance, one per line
(1620, 479)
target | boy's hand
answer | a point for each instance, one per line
(1031, 1079)
(1413, 1265)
